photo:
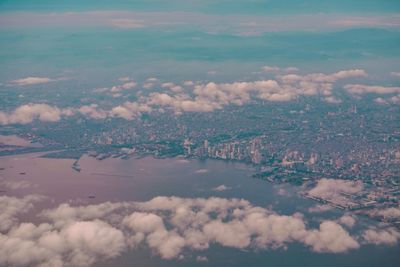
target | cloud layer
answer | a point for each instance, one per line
(193, 96)
(82, 235)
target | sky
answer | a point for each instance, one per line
(54, 36)
(79, 46)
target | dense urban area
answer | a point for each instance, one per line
(297, 144)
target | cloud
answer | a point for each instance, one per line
(29, 112)
(92, 111)
(80, 243)
(83, 235)
(330, 237)
(173, 87)
(221, 188)
(200, 97)
(243, 25)
(129, 110)
(359, 89)
(389, 236)
(332, 188)
(347, 220)
(238, 224)
(125, 86)
(386, 101)
(31, 81)
(319, 208)
(388, 213)
(271, 69)
(201, 171)
(213, 96)
(10, 207)
(127, 23)
(16, 185)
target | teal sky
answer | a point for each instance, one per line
(260, 7)
(97, 41)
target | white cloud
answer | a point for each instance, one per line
(359, 89)
(332, 188)
(127, 23)
(80, 243)
(83, 235)
(201, 171)
(330, 237)
(173, 87)
(347, 220)
(27, 113)
(202, 97)
(271, 69)
(129, 110)
(319, 208)
(389, 236)
(16, 185)
(10, 207)
(31, 81)
(221, 188)
(92, 111)
(388, 213)
(125, 86)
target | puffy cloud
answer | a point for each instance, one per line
(65, 213)
(332, 188)
(239, 224)
(15, 185)
(31, 81)
(173, 87)
(168, 243)
(347, 220)
(391, 100)
(330, 237)
(359, 89)
(324, 78)
(93, 111)
(388, 213)
(129, 110)
(203, 97)
(83, 235)
(27, 113)
(389, 236)
(391, 213)
(271, 69)
(212, 96)
(125, 86)
(79, 243)
(11, 207)
(88, 240)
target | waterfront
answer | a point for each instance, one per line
(142, 179)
